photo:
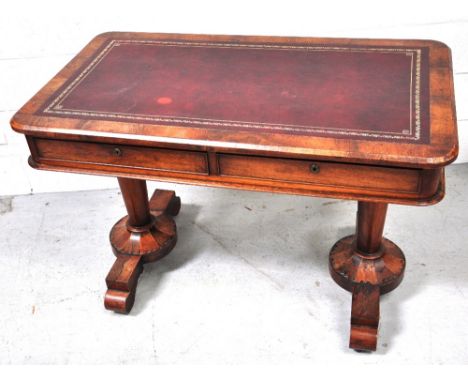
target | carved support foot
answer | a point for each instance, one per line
(145, 235)
(122, 282)
(367, 265)
(365, 315)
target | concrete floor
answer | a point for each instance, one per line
(246, 283)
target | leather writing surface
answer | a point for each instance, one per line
(354, 92)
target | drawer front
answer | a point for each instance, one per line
(320, 173)
(122, 155)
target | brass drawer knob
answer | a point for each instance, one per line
(314, 168)
(117, 152)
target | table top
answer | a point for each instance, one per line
(388, 102)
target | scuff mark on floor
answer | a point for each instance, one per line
(213, 236)
(332, 202)
(153, 336)
(69, 298)
(6, 204)
(310, 313)
(204, 229)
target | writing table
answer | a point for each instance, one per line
(368, 120)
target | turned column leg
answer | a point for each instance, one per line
(146, 234)
(367, 265)
(135, 196)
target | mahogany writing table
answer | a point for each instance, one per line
(369, 120)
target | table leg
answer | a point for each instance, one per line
(367, 265)
(146, 234)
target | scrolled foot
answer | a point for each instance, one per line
(365, 315)
(122, 282)
(164, 202)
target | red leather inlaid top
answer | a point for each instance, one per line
(340, 91)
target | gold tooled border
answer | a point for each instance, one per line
(414, 132)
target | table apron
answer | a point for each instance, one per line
(250, 172)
